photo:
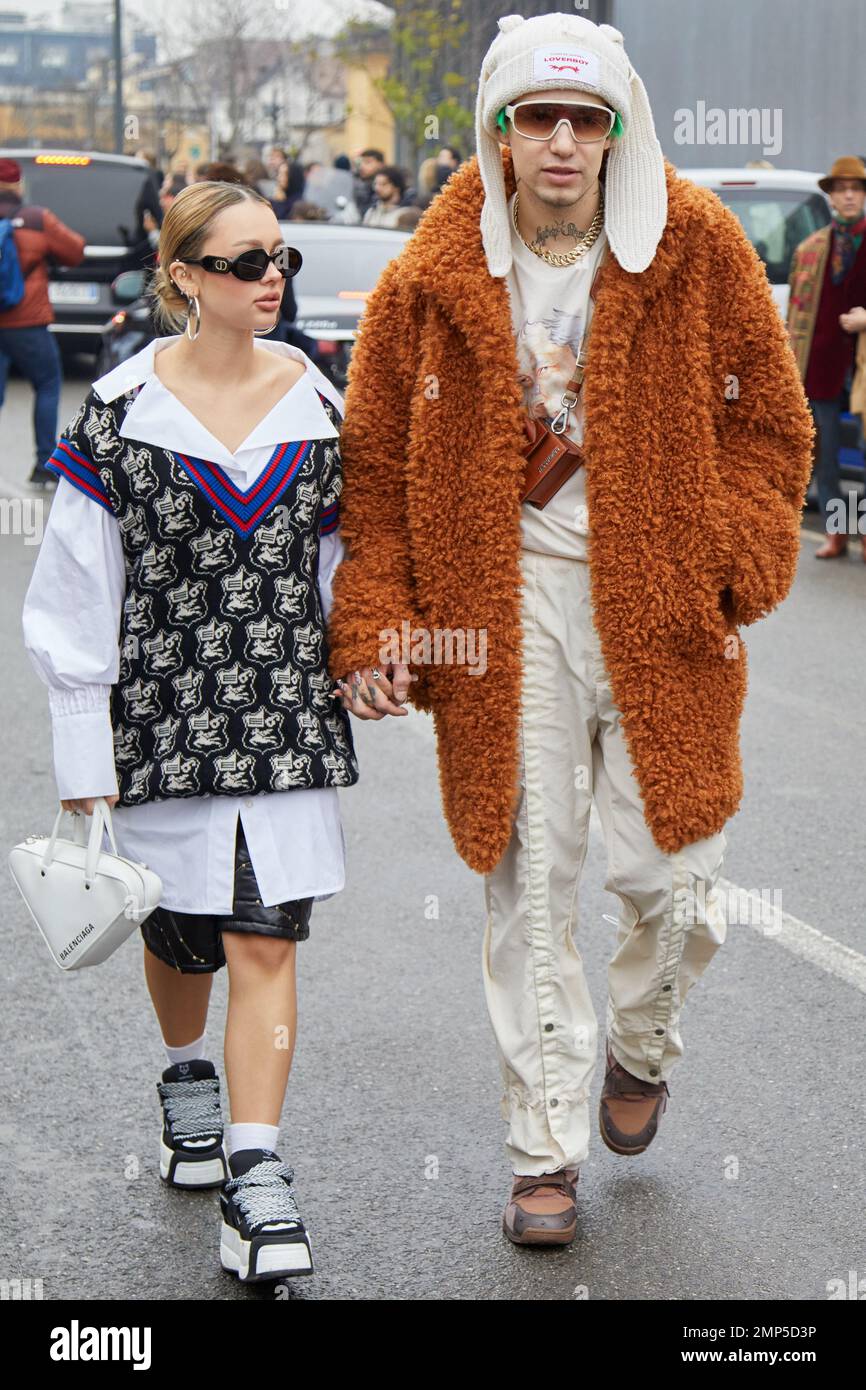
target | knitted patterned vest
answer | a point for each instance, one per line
(223, 686)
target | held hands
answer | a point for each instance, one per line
(85, 804)
(370, 694)
(854, 321)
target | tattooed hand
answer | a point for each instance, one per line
(370, 694)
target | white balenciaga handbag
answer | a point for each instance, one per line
(84, 900)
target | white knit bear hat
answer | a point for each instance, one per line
(566, 50)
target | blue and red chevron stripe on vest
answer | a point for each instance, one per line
(223, 685)
(69, 462)
(241, 508)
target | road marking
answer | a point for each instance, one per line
(802, 940)
(781, 928)
(797, 937)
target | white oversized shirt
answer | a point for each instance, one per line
(550, 309)
(71, 621)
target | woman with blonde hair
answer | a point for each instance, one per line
(177, 613)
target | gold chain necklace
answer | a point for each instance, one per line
(588, 238)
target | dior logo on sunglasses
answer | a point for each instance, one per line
(252, 265)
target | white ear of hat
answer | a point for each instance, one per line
(564, 50)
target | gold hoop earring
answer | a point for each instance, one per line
(263, 332)
(193, 299)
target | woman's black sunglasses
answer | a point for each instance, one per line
(252, 265)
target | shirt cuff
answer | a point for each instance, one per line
(83, 745)
(83, 699)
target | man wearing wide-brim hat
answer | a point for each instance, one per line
(826, 318)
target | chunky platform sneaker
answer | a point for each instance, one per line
(263, 1235)
(191, 1150)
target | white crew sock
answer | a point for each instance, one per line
(189, 1052)
(250, 1136)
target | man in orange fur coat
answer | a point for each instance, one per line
(613, 668)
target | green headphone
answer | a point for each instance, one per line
(502, 122)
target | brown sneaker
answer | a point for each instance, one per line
(630, 1109)
(542, 1210)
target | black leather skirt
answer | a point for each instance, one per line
(192, 941)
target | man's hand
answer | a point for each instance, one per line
(375, 691)
(854, 321)
(85, 804)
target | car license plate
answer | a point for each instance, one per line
(72, 292)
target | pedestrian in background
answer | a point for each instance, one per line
(449, 160)
(289, 189)
(256, 174)
(26, 340)
(826, 318)
(428, 181)
(276, 156)
(369, 163)
(149, 206)
(389, 186)
(220, 171)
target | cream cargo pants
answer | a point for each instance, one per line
(572, 750)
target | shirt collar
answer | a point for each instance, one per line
(157, 417)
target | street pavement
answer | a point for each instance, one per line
(754, 1187)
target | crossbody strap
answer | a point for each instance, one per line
(572, 391)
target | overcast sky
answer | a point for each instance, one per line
(320, 16)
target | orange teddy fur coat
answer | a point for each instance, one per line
(698, 440)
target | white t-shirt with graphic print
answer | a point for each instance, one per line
(550, 306)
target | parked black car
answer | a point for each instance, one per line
(103, 197)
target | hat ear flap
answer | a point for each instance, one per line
(636, 195)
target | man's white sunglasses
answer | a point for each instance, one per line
(540, 119)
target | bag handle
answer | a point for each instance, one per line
(77, 829)
(101, 818)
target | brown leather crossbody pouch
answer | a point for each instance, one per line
(550, 461)
(552, 458)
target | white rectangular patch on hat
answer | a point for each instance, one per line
(571, 64)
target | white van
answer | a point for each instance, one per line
(778, 208)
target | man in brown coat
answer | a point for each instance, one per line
(826, 317)
(26, 341)
(598, 657)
